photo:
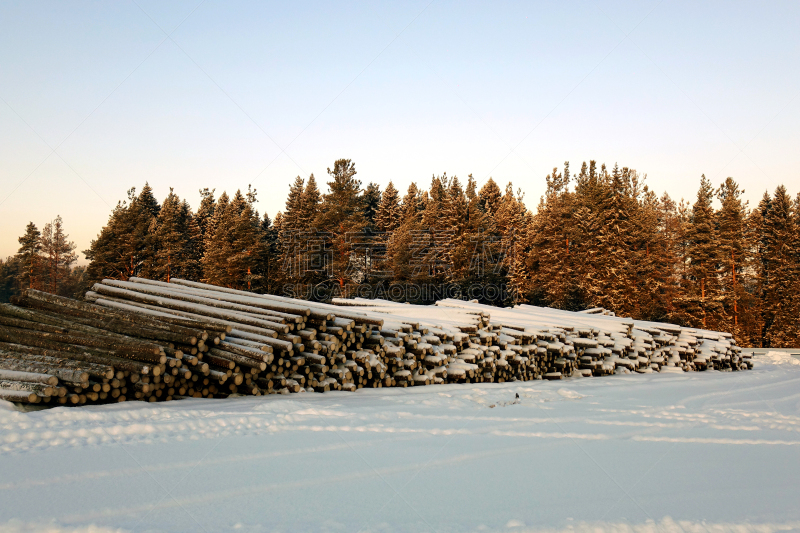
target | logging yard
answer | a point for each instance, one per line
(181, 406)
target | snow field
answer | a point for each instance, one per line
(710, 451)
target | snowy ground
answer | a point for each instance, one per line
(698, 451)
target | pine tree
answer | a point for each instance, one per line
(30, 259)
(59, 255)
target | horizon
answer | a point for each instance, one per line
(194, 95)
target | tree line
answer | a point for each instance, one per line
(598, 238)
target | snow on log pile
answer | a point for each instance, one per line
(528, 342)
(149, 340)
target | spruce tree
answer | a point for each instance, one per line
(124, 247)
(293, 214)
(733, 252)
(171, 238)
(206, 210)
(702, 301)
(341, 215)
(10, 273)
(490, 196)
(371, 199)
(781, 322)
(411, 203)
(553, 237)
(216, 244)
(246, 243)
(309, 205)
(389, 213)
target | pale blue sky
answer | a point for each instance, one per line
(253, 92)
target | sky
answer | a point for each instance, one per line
(99, 97)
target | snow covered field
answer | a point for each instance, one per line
(700, 451)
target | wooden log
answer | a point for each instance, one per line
(239, 359)
(32, 338)
(66, 375)
(35, 326)
(113, 326)
(86, 310)
(246, 351)
(162, 316)
(18, 396)
(287, 305)
(89, 355)
(38, 388)
(229, 315)
(31, 377)
(147, 289)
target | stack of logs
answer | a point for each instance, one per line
(149, 340)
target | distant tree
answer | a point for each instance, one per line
(10, 273)
(125, 247)
(341, 214)
(780, 280)
(59, 255)
(206, 210)
(701, 303)
(389, 213)
(29, 258)
(309, 205)
(734, 253)
(172, 240)
(371, 199)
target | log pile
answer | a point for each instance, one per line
(149, 340)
